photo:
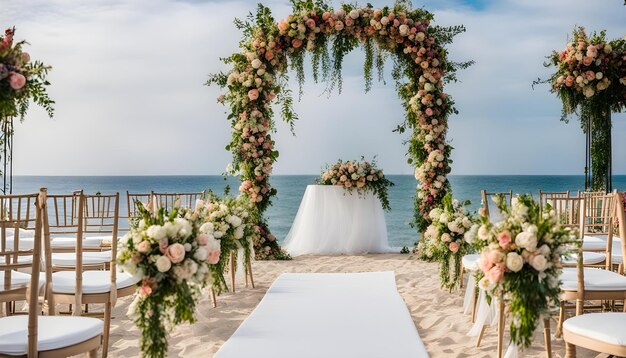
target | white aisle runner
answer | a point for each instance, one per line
(328, 315)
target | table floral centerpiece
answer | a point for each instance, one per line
(362, 176)
(444, 240)
(175, 260)
(521, 261)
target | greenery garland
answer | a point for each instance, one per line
(259, 76)
(590, 80)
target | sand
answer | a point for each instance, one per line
(437, 314)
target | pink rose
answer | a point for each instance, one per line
(495, 256)
(296, 43)
(176, 253)
(213, 257)
(496, 273)
(269, 55)
(253, 94)
(25, 57)
(283, 25)
(17, 80)
(145, 290)
(485, 264)
(504, 239)
(143, 246)
(454, 247)
(203, 239)
(163, 243)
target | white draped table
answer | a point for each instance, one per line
(332, 220)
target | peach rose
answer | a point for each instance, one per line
(454, 247)
(504, 239)
(143, 246)
(203, 239)
(176, 253)
(253, 94)
(496, 273)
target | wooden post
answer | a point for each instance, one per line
(500, 325)
(546, 337)
(232, 271)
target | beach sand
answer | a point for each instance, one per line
(436, 313)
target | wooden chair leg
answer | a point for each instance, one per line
(546, 337)
(579, 307)
(500, 327)
(480, 335)
(232, 271)
(570, 350)
(250, 273)
(246, 276)
(213, 298)
(559, 325)
(474, 304)
(93, 353)
(107, 329)
(462, 276)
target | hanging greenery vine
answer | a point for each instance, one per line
(259, 76)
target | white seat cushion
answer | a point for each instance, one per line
(607, 327)
(27, 259)
(88, 241)
(26, 243)
(19, 279)
(93, 281)
(595, 280)
(594, 242)
(53, 332)
(470, 262)
(589, 258)
(89, 258)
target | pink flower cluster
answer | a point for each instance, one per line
(13, 62)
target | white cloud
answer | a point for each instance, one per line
(129, 78)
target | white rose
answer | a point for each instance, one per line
(444, 218)
(218, 234)
(354, 14)
(170, 228)
(467, 222)
(156, 232)
(514, 262)
(239, 232)
(187, 247)
(485, 284)
(201, 254)
(544, 250)
(539, 262)
(483, 233)
(526, 240)
(434, 214)
(207, 228)
(184, 227)
(163, 264)
(256, 63)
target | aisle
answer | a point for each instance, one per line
(332, 315)
(436, 313)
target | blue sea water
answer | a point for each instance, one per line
(291, 188)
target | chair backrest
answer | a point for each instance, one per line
(20, 212)
(494, 214)
(544, 195)
(131, 201)
(177, 200)
(567, 210)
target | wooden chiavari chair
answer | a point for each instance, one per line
(177, 200)
(47, 336)
(581, 284)
(77, 286)
(544, 195)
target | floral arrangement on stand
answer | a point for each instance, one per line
(590, 79)
(21, 80)
(175, 260)
(361, 176)
(259, 77)
(521, 261)
(444, 240)
(232, 222)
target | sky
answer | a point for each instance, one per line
(128, 80)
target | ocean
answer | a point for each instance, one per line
(291, 188)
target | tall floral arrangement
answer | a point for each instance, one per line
(259, 77)
(175, 260)
(21, 80)
(362, 176)
(521, 261)
(232, 222)
(590, 79)
(444, 239)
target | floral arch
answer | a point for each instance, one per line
(259, 77)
